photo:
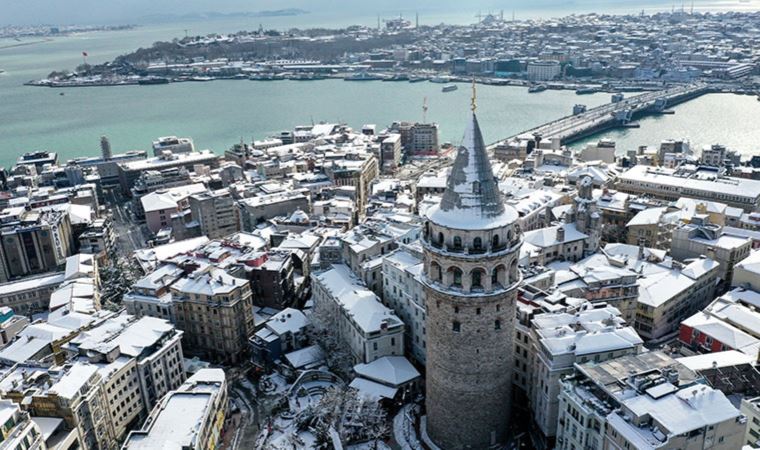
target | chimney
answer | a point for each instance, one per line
(561, 234)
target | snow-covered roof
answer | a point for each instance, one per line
(547, 237)
(650, 216)
(289, 320)
(689, 409)
(72, 382)
(716, 360)
(23, 349)
(389, 370)
(372, 390)
(306, 356)
(361, 304)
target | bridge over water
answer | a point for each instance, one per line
(574, 127)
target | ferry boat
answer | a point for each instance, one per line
(586, 90)
(537, 88)
(267, 76)
(362, 76)
(416, 78)
(440, 79)
(152, 80)
(449, 88)
(397, 77)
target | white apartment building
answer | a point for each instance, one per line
(563, 340)
(403, 291)
(150, 346)
(543, 70)
(702, 238)
(369, 328)
(644, 401)
(189, 418)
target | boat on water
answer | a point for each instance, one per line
(262, 77)
(440, 79)
(416, 78)
(586, 90)
(152, 80)
(307, 77)
(449, 88)
(397, 77)
(200, 79)
(362, 76)
(537, 88)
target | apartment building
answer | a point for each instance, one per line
(403, 291)
(562, 340)
(368, 328)
(645, 400)
(190, 417)
(215, 212)
(214, 309)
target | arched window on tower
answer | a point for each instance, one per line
(476, 187)
(456, 276)
(440, 238)
(477, 244)
(457, 243)
(497, 324)
(477, 279)
(435, 272)
(495, 241)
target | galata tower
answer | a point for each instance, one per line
(472, 243)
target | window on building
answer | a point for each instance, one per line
(456, 326)
(457, 242)
(497, 324)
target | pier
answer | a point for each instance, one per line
(611, 115)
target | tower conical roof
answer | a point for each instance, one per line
(472, 199)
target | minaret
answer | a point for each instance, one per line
(471, 246)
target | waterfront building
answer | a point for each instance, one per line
(130, 171)
(172, 144)
(543, 70)
(471, 245)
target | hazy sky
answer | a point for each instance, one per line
(62, 12)
(130, 11)
(122, 11)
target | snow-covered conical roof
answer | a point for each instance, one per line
(472, 199)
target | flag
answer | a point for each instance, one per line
(84, 53)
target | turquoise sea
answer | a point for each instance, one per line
(218, 114)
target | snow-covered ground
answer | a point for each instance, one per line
(403, 429)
